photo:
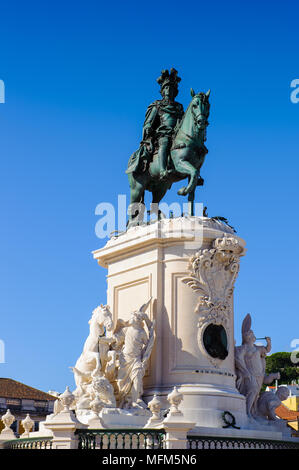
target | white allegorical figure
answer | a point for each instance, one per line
(111, 368)
(99, 390)
(250, 366)
(133, 358)
(269, 401)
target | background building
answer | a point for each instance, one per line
(289, 408)
(22, 399)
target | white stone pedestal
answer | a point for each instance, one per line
(116, 418)
(7, 435)
(154, 261)
(63, 427)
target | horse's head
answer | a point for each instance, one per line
(103, 317)
(200, 108)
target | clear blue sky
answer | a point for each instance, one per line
(78, 77)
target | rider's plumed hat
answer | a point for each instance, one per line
(169, 78)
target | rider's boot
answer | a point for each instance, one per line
(164, 144)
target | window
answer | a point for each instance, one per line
(41, 404)
(15, 426)
(13, 402)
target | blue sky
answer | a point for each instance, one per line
(78, 78)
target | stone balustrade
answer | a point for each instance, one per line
(64, 431)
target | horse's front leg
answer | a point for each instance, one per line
(98, 366)
(193, 179)
(181, 160)
(191, 198)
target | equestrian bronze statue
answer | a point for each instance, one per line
(172, 147)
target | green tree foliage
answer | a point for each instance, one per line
(281, 362)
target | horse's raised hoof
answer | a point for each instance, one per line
(182, 191)
(200, 181)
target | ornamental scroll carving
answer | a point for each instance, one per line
(212, 273)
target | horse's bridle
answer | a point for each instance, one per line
(199, 120)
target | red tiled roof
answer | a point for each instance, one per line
(10, 388)
(284, 412)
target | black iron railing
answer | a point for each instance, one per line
(120, 438)
(208, 442)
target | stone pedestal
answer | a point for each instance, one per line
(122, 419)
(63, 427)
(188, 267)
(7, 435)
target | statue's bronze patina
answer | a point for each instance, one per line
(172, 146)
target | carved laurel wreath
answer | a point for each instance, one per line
(229, 420)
